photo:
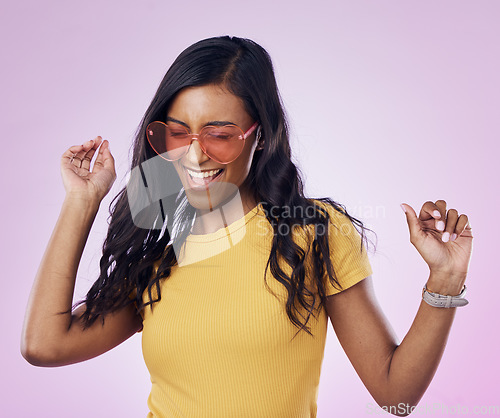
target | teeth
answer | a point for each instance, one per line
(204, 174)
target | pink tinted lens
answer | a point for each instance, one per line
(223, 144)
(170, 142)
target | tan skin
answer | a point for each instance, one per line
(400, 373)
(196, 107)
(392, 372)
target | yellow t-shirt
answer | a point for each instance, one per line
(219, 344)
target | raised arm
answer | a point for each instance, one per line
(49, 339)
(397, 375)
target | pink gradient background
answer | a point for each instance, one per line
(389, 102)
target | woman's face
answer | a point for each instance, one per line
(196, 107)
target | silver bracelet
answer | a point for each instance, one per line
(444, 301)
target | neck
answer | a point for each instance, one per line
(237, 207)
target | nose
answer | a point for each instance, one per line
(195, 154)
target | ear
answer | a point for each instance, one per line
(260, 140)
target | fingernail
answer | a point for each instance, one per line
(446, 236)
(453, 237)
(402, 207)
(440, 225)
(436, 214)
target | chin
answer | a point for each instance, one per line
(214, 196)
(211, 196)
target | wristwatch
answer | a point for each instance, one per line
(444, 301)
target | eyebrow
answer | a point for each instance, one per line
(212, 123)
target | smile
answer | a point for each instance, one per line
(201, 179)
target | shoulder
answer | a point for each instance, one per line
(341, 230)
(333, 208)
(336, 213)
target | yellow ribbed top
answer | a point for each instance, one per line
(219, 344)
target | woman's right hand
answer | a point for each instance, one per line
(75, 170)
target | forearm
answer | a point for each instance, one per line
(54, 283)
(415, 361)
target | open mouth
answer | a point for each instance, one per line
(202, 179)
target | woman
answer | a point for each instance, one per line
(230, 272)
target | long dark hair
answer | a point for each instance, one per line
(131, 248)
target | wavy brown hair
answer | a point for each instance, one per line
(134, 244)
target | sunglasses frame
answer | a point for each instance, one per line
(197, 137)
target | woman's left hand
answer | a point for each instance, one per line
(443, 239)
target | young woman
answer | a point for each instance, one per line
(229, 271)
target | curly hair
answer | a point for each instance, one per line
(132, 247)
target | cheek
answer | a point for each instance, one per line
(178, 169)
(247, 155)
(239, 169)
(176, 166)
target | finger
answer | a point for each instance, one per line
(104, 158)
(437, 211)
(413, 222)
(451, 223)
(99, 162)
(69, 154)
(87, 158)
(426, 211)
(87, 147)
(440, 206)
(79, 156)
(462, 225)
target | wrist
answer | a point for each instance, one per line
(82, 202)
(448, 284)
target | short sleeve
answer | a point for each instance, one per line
(350, 263)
